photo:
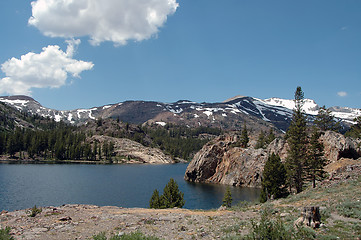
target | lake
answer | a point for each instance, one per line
(25, 185)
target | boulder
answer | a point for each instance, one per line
(337, 146)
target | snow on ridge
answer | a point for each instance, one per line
(208, 113)
(15, 102)
(186, 102)
(175, 111)
(107, 106)
(161, 123)
(70, 117)
(57, 118)
(309, 105)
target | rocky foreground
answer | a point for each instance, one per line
(84, 221)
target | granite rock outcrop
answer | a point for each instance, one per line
(221, 161)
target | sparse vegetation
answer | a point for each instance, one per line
(34, 211)
(129, 236)
(5, 234)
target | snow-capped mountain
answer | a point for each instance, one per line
(230, 114)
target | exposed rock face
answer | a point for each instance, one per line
(128, 151)
(337, 146)
(220, 162)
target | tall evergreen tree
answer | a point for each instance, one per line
(325, 121)
(273, 178)
(244, 137)
(297, 141)
(315, 160)
(171, 196)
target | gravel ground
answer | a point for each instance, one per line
(84, 221)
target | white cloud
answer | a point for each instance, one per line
(342, 94)
(344, 28)
(117, 21)
(50, 68)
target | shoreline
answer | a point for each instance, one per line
(27, 161)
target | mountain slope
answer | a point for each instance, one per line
(231, 114)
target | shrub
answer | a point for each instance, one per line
(276, 229)
(5, 234)
(34, 211)
(350, 209)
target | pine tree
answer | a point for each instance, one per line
(155, 200)
(244, 137)
(227, 199)
(355, 131)
(273, 178)
(315, 160)
(171, 196)
(261, 141)
(297, 141)
(325, 121)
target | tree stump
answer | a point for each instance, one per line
(311, 216)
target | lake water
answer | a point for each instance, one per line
(25, 185)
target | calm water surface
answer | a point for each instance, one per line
(25, 185)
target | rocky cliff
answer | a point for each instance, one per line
(220, 161)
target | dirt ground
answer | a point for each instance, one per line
(84, 221)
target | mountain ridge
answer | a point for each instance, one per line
(226, 115)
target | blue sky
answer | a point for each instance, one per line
(78, 54)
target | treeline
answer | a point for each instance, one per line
(181, 141)
(176, 140)
(60, 143)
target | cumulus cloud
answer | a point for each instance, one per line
(117, 21)
(342, 94)
(48, 69)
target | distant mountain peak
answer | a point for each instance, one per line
(233, 98)
(18, 97)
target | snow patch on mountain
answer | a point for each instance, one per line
(309, 105)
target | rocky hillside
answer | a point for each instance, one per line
(220, 161)
(230, 114)
(128, 151)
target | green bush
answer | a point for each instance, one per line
(34, 211)
(5, 234)
(276, 229)
(350, 209)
